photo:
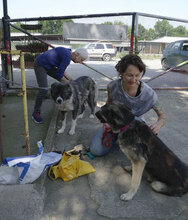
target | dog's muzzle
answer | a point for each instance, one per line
(100, 117)
(59, 100)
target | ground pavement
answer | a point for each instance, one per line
(94, 196)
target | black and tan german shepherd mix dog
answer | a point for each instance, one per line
(167, 173)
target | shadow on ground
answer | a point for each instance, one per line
(96, 196)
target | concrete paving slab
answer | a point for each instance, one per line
(146, 203)
(13, 124)
(110, 181)
(23, 202)
(94, 196)
(101, 190)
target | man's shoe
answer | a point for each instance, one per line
(37, 118)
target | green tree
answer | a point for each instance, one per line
(107, 23)
(150, 34)
(118, 23)
(180, 31)
(114, 23)
(163, 28)
(17, 24)
(53, 26)
(141, 32)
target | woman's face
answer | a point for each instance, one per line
(131, 76)
(78, 59)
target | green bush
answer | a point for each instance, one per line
(33, 47)
(29, 57)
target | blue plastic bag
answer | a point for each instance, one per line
(27, 168)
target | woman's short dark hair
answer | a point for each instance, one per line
(131, 59)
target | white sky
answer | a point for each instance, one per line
(37, 8)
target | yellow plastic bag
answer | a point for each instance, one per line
(70, 167)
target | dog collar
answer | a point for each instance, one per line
(124, 128)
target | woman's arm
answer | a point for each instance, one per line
(161, 118)
(66, 78)
(109, 98)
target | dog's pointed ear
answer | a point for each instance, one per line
(123, 106)
(129, 117)
(53, 89)
(54, 85)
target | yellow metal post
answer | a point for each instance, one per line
(22, 66)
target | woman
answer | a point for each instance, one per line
(136, 95)
(53, 63)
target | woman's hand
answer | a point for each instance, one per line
(106, 125)
(66, 78)
(63, 79)
(161, 118)
(156, 126)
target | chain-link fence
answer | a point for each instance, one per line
(106, 37)
(152, 34)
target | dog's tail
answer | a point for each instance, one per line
(93, 96)
(168, 190)
(96, 91)
(175, 191)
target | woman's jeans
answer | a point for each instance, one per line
(97, 148)
(41, 75)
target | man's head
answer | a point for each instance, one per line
(79, 55)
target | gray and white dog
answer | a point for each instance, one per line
(73, 96)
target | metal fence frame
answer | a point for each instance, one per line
(134, 27)
(7, 23)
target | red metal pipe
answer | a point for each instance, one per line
(170, 88)
(1, 142)
(172, 68)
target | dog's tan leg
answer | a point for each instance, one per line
(73, 125)
(61, 130)
(137, 170)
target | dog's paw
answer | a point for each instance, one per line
(127, 196)
(71, 132)
(91, 116)
(61, 131)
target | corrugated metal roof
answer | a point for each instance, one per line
(167, 39)
(22, 34)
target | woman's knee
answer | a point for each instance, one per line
(96, 147)
(98, 150)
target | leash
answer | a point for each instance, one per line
(97, 71)
(124, 128)
(46, 88)
(108, 136)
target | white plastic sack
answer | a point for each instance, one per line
(26, 169)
